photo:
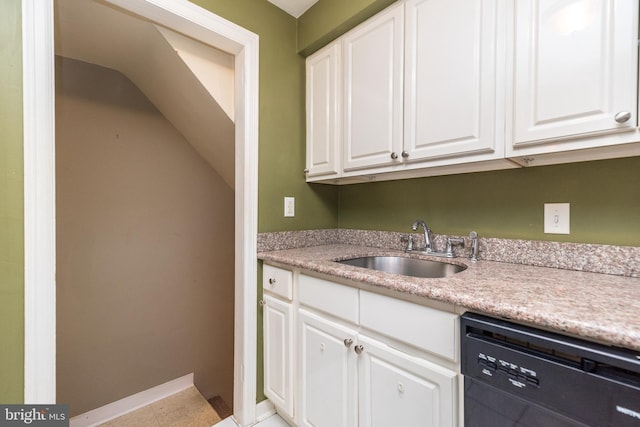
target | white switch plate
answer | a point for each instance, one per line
(289, 206)
(556, 218)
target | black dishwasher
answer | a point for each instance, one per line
(519, 376)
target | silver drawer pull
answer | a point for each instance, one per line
(262, 302)
(348, 342)
(272, 281)
(358, 349)
(622, 116)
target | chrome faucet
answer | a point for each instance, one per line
(427, 235)
(429, 247)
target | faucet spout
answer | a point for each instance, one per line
(427, 234)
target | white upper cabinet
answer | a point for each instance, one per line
(372, 95)
(574, 72)
(323, 112)
(451, 75)
(435, 87)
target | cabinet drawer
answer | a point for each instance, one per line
(337, 300)
(426, 328)
(277, 281)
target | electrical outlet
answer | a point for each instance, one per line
(556, 218)
(289, 206)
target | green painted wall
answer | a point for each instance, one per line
(11, 202)
(604, 197)
(282, 120)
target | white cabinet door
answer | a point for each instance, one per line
(451, 79)
(323, 112)
(396, 389)
(372, 104)
(328, 373)
(574, 68)
(278, 345)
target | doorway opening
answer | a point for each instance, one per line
(38, 63)
(144, 208)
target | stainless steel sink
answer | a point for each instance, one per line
(406, 266)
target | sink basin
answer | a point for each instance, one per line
(406, 266)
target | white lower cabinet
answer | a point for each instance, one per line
(278, 334)
(396, 389)
(278, 378)
(346, 367)
(328, 372)
(348, 379)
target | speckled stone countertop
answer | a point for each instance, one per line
(598, 307)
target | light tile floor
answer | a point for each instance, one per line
(272, 421)
(187, 408)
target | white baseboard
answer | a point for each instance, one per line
(264, 410)
(131, 403)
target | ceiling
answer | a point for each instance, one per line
(294, 8)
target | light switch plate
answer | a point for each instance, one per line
(289, 206)
(556, 218)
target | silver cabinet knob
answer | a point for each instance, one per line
(622, 116)
(262, 302)
(306, 170)
(405, 154)
(394, 155)
(348, 342)
(358, 349)
(272, 281)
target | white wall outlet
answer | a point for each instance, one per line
(556, 218)
(289, 206)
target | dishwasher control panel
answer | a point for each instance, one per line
(519, 376)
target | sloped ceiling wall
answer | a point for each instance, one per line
(190, 83)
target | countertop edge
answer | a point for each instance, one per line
(497, 289)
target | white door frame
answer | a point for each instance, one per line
(39, 187)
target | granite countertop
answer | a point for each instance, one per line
(598, 307)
